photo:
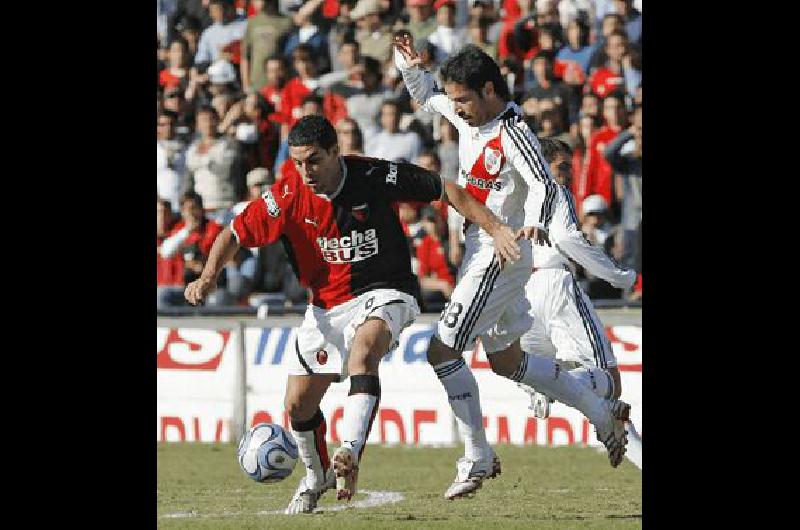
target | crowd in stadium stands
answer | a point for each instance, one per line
(234, 76)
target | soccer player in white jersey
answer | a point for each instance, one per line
(565, 325)
(502, 167)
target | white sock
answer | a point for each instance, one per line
(310, 438)
(462, 393)
(542, 373)
(360, 408)
(597, 379)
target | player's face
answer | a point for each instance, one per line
(561, 168)
(469, 105)
(318, 167)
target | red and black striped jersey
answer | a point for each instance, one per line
(347, 244)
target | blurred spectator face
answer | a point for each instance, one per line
(446, 16)
(390, 118)
(542, 69)
(551, 123)
(546, 40)
(428, 162)
(482, 8)
(276, 73)
(622, 7)
(369, 22)
(638, 97)
(258, 5)
(419, 13)
(545, 105)
(587, 127)
(616, 45)
(614, 112)
(163, 217)
(190, 209)
(216, 11)
(207, 124)
(407, 213)
(477, 30)
(574, 34)
(177, 54)
(590, 105)
(311, 108)
(612, 22)
(174, 101)
(304, 64)
(191, 36)
(166, 127)
(347, 134)
(221, 104)
(348, 54)
(636, 126)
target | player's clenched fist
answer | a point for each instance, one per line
(196, 291)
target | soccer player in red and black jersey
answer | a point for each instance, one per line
(346, 243)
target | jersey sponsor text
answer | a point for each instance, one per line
(357, 246)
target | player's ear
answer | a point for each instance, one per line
(488, 89)
(334, 150)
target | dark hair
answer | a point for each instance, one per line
(351, 40)
(433, 154)
(552, 146)
(313, 98)
(394, 103)
(371, 65)
(472, 67)
(280, 58)
(617, 33)
(313, 130)
(169, 114)
(165, 203)
(192, 196)
(583, 27)
(303, 48)
(207, 108)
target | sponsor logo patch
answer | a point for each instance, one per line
(391, 177)
(272, 207)
(357, 246)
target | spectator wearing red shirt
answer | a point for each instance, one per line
(188, 243)
(175, 74)
(586, 127)
(597, 177)
(169, 270)
(610, 77)
(427, 255)
(277, 74)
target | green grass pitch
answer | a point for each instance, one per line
(540, 487)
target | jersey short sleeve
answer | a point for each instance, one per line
(263, 220)
(407, 182)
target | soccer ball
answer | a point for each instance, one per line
(267, 453)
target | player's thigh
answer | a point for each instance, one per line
(577, 332)
(304, 394)
(374, 323)
(482, 296)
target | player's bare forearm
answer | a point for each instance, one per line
(223, 250)
(472, 210)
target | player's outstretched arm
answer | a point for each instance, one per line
(504, 238)
(223, 250)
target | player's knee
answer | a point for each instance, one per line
(505, 362)
(296, 409)
(439, 352)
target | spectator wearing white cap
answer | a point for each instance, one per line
(222, 32)
(594, 225)
(373, 35)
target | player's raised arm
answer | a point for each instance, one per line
(419, 82)
(522, 150)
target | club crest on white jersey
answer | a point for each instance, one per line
(492, 160)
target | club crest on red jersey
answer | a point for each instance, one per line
(322, 357)
(360, 212)
(492, 160)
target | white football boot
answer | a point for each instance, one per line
(305, 499)
(540, 403)
(470, 475)
(612, 432)
(346, 469)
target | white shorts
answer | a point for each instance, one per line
(565, 324)
(487, 302)
(326, 335)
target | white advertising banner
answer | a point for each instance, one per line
(197, 390)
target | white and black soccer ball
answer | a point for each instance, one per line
(267, 453)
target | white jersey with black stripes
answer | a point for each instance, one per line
(568, 242)
(501, 164)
